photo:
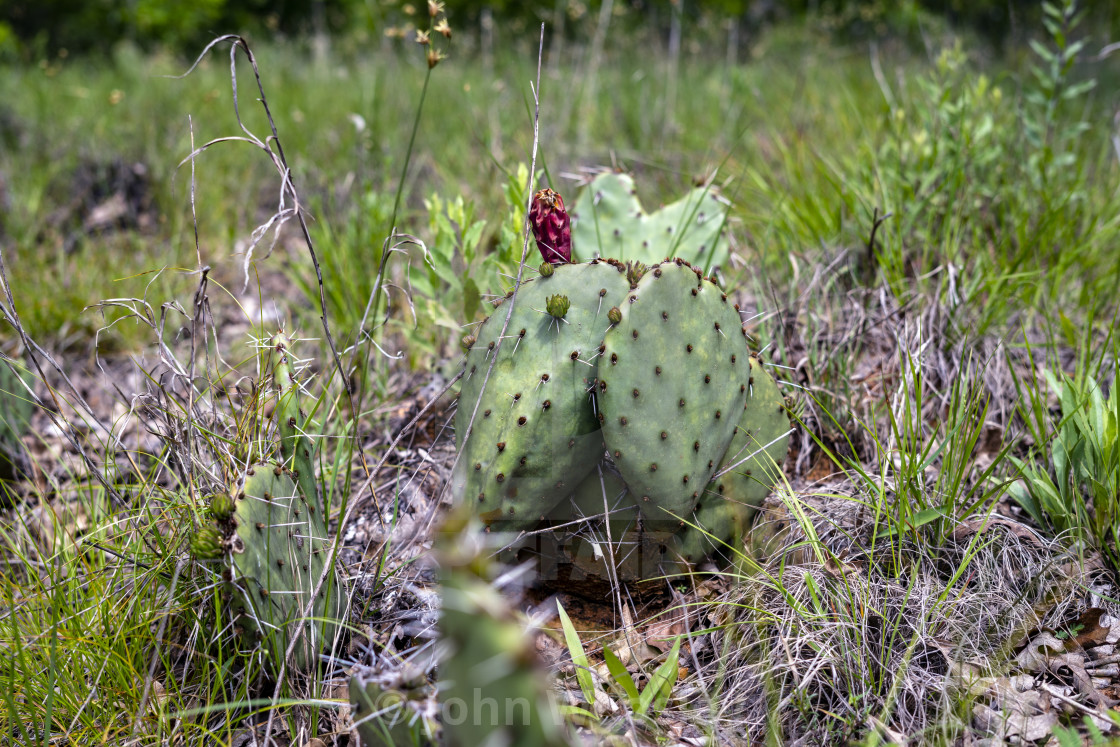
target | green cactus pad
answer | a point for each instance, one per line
(535, 434)
(394, 708)
(492, 687)
(278, 551)
(669, 388)
(16, 411)
(609, 221)
(295, 445)
(753, 465)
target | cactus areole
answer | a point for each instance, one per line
(552, 227)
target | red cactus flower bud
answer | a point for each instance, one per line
(552, 227)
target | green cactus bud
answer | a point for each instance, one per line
(206, 543)
(546, 269)
(221, 506)
(614, 315)
(558, 305)
(634, 272)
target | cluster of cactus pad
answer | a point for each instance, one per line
(640, 402)
(270, 531)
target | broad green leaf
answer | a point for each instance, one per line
(661, 684)
(622, 677)
(579, 656)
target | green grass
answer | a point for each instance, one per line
(997, 258)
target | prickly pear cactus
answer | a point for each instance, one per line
(643, 371)
(609, 221)
(393, 707)
(270, 531)
(492, 688)
(296, 446)
(668, 388)
(277, 552)
(535, 433)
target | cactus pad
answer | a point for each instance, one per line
(535, 434)
(393, 707)
(493, 689)
(668, 388)
(750, 467)
(295, 445)
(278, 551)
(608, 220)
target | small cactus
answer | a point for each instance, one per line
(271, 531)
(278, 551)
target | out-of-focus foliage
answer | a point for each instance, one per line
(48, 26)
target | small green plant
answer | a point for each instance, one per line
(1077, 488)
(652, 698)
